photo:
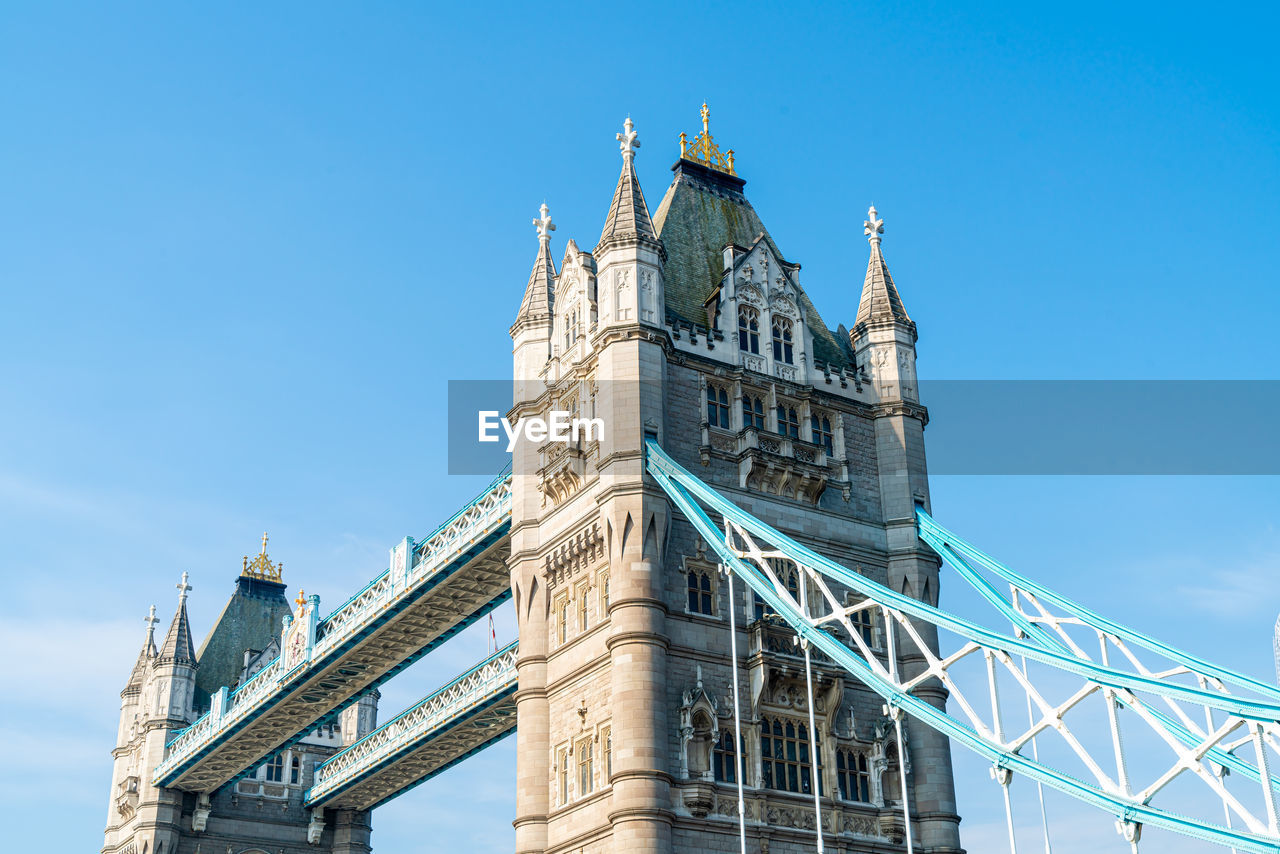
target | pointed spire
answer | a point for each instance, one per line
(628, 214)
(177, 647)
(539, 294)
(134, 685)
(880, 300)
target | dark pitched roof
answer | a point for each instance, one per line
(250, 619)
(703, 211)
(628, 217)
(880, 300)
(177, 647)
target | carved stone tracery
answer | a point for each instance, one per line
(578, 552)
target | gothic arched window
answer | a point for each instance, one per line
(788, 422)
(275, 769)
(606, 740)
(726, 758)
(748, 329)
(784, 756)
(717, 407)
(752, 412)
(782, 350)
(853, 776)
(586, 767)
(562, 767)
(863, 623)
(822, 431)
(295, 770)
(701, 593)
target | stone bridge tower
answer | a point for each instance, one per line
(690, 325)
(170, 687)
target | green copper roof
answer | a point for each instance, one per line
(702, 212)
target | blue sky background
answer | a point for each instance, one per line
(243, 249)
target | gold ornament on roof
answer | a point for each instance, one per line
(262, 567)
(704, 149)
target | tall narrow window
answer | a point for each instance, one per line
(748, 330)
(586, 767)
(563, 615)
(701, 600)
(784, 756)
(752, 412)
(782, 349)
(863, 624)
(762, 610)
(822, 431)
(275, 769)
(787, 574)
(726, 758)
(788, 422)
(295, 770)
(583, 613)
(717, 407)
(606, 740)
(853, 776)
(562, 767)
(604, 595)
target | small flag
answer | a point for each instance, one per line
(493, 637)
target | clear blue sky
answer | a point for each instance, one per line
(242, 250)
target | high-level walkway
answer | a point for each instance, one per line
(464, 717)
(433, 590)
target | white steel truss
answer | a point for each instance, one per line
(1182, 705)
(464, 716)
(431, 591)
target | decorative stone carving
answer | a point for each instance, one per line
(316, 827)
(648, 298)
(578, 552)
(200, 815)
(751, 295)
(699, 797)
(699, 729)
(783, 305)
(622, 289)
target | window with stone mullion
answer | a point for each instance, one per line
(853, 776)
(701, 592)
(717, 407)
(725, 758)
(788, 421)
(784, 756)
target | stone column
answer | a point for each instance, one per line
(351, 832)
(641, 816)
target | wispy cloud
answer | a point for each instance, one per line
(1248, 591)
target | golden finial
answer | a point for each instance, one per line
(704, 149)
(261, 566)
(301, 602)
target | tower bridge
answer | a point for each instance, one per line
(653, 707)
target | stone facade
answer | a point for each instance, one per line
(691, 326)
(260, 813)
